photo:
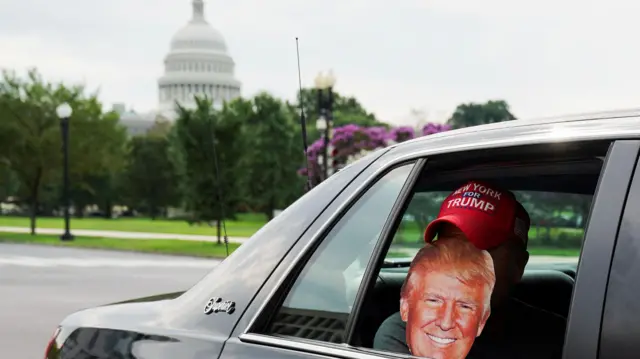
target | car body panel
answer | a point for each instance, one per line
(251, 275)
(587, 304)
(620, 329)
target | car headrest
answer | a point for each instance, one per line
(546, 289)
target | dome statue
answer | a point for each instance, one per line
(198, 63)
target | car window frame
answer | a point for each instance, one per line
(304, 256)
(320, 230)
(246, 334)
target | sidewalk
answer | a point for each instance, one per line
(120, 234)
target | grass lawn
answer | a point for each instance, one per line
(245, 226)
(159, 246)
(414, 233)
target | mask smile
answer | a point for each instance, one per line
(440, 340)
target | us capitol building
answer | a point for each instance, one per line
(198, 63)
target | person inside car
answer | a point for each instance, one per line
(493, 220)
(445, 300)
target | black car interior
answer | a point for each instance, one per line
(548, 286)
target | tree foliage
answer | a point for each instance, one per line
(151, 181)
(474, 114)
(347, 110)
(30, 137)
(214, 163)
(273, 155)
(206, 147)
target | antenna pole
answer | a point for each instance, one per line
(303, 122)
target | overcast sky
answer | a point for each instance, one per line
(544, 57)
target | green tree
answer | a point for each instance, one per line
(30, 140)
(273, 155)
(9, 183)
(98, 146)
(474, 114)
(150, 182)
(200, 138)
(346, 110)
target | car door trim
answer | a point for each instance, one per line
(331, 221)
(346, 351)
(588, 297)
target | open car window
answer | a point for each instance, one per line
(557, 224)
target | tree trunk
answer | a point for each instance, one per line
(108, 209)
(33, 214)
(34, 205)
(219, 228)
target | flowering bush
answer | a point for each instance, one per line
(401, 134)
(351, 142)
(432, 128)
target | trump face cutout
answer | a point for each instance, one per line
(446, 297)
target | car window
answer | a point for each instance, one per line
(321, 298)
(557, 223)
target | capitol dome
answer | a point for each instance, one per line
(198, 63)
(198, 35)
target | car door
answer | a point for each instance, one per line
(588, 301)
(620, 329)
(313, 314)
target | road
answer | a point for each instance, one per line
(40, 285)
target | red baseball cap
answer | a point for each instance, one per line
(486, 215)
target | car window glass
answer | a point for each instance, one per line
(320, 300)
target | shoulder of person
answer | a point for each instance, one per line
(391, 335)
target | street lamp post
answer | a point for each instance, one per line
(64, 113)
(324, 84)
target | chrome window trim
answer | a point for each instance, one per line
(542, 126)
(348, 351)
(315, 237)
(540, 138)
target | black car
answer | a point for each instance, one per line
(318, 280)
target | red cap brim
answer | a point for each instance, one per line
(455, 220)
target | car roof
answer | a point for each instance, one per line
(606, 125)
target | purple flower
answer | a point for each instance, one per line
(351, 139)
(432, 128)
(403, 133)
